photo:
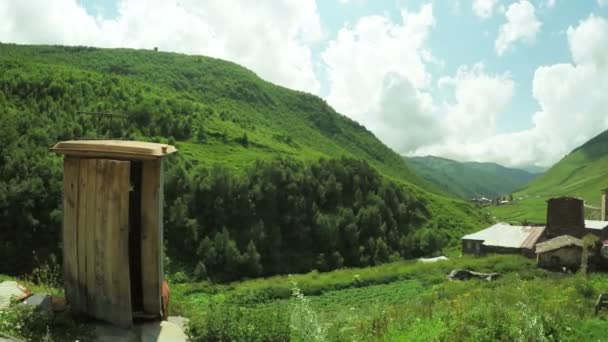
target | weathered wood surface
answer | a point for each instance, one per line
(91, 208)
(118, 309)
(103, 177)
(71, 169)
(80, 305)
(151, 237)
(601, 303)
(100, 220)
(122, 149)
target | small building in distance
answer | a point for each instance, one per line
(562, 251)
(481, 202)
(597, 228)
(503, 238)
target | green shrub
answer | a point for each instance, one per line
(34, 325)
(228, 322)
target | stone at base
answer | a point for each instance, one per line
(161, 332)
(157, 331)
(12, 290)
(108, 333)
(182, 322)
(40, 301)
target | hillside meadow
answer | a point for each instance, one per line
(267, 180)
(400, 301)
(582, 173)
(404, 301)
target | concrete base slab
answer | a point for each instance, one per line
(146, 332)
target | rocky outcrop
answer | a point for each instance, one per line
(467, 274)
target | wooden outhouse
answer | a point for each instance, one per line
(112, 228)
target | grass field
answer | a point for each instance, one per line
(404, 301)
(400, 301)
(532, 209)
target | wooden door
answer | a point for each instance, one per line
(98, 255)
(151, 237)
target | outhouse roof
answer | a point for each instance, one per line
(124, 149)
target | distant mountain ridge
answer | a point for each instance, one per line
(582, 173)
(469, 179)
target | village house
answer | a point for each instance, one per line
(502, 238)
(562, 251)
(565, 220)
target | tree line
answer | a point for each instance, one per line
(286, 216)
(274, 217)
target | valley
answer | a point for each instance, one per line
(468, 180)
(283, 219)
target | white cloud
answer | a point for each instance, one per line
(602, 3)
(521, 25)
(271, 37)
(469, 121)
(551, 3)
(484, 8)
(377, 74)
(479, 98)
(572, 107)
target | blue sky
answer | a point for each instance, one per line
(461, 37)
(518, 82)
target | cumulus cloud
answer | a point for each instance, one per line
(276, 44)
(479, 97)
(572, 107)
(377, 72)
(521, 25)
(484, 8)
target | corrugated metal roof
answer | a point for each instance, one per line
(506, 235)
(593, 224)
(557, 243)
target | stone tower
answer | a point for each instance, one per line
(565, 216)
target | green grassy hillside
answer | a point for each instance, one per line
(582, 173)
(261, 168)
(469, 179)
(225, 100)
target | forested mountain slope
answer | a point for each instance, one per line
(259, 166)
(582, 173)
(469, 179)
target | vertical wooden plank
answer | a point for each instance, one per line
(90, 234)
(109, 289)
(71, 168)
(103, 180)
(80, 304)
(118, 256)
(151, 238)
(109, 243)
